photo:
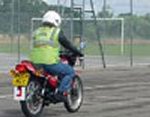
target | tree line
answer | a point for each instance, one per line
(11, 13)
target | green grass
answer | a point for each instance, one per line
(7, 48)
(91, 49)
(138, 50)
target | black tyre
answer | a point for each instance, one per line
(33, 105)
(75, 96)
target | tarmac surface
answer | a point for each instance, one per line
(111, 92)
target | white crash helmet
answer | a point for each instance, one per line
(52, 17)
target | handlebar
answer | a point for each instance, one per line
(69, 53)
(70, 56)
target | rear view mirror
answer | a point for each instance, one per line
(82, 45)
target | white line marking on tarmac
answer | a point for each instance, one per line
(5, 96)
(133, 84)
(97, 87)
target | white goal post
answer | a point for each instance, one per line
(90, 19)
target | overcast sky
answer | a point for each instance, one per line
(117, 6)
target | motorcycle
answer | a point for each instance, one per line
(34, 88)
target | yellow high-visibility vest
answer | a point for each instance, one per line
(45, 46)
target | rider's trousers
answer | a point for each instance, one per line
(65, 73)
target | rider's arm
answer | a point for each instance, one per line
(67, 44)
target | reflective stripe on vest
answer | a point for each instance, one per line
(45, 37)
(45, 46)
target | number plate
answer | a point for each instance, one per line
(21, 79)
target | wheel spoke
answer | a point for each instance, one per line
(34, 101)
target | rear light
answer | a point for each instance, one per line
(12, 73)
(21, 68)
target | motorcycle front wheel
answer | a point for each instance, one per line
(75, 96)
(33, 105)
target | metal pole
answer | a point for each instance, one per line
(71, 22)
(18, 31)
(12, 25)
(104, 16)
(122, 36)
(31, 33)
(104, 7)
(131, 34)
(98, 36)
(58, 6)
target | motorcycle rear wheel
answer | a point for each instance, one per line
(33, 105)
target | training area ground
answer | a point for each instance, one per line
(8, 61)
(110, 92)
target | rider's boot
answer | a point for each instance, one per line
(61, 96)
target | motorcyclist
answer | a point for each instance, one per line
(46, 46)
